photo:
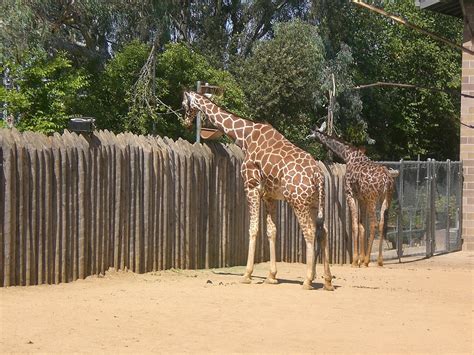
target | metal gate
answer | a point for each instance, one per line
(426, 212)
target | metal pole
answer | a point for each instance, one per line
(198, 116)
(332, 94)
(431, 215)
(153, 87)
(448, 200)
(433, 206)
(428, 206)
(400, 214)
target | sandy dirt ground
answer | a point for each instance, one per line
(423, 306)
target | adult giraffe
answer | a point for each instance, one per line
(368, 183)
(273, 169)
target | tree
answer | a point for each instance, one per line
(282, 79)
(45, 91)
(109, 101)
(404, 122)
(179, 68)
(115, 101)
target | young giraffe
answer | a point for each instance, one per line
(369, 183)
(273, 169)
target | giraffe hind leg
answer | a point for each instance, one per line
(309, 232)
(271, 233)
(327, 272)
(372, 221)
(355, 230)
(254, 206)
(383, 228)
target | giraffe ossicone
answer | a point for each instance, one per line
(273, 169)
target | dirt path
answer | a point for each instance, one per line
(422, 306)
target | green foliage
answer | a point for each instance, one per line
(109, 99)
(282, 78)
(407, 122)
(179, 68)
(46, 89)
(273, 62)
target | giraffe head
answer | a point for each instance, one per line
(190, 108)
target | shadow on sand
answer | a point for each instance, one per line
(260, 280)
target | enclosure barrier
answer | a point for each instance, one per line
(73, 206)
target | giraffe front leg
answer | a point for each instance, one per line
(271, 234)
(363, 212)
(254, 207)
(327, 272)
(361, 244)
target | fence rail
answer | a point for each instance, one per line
(72, 206)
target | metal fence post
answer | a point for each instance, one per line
(400, 213)
(433, 206)
(448, 202)
(198, 116)
(431, 215)
(460, 203)
(428, 205)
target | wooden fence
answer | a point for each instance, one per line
(72, 206)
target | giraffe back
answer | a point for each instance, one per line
(369, 181)
(287, 172)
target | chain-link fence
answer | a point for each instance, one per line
(425, 215)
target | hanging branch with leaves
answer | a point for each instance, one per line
(146, 105)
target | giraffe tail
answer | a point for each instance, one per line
(320, 216)
(319, 232)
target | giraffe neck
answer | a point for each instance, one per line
(343, 150)
(233, 126)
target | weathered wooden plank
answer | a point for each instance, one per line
(22, 203)
(159, 215)
(168, 208)
(82, 203)
(42, 145)
(73, 205)
(64, 212)
(36, 242)
(212, 193)
(188, 182)
(180, 248)
(118, 232)
(133, 205)
(111, 199)
(176, 207)
(108, 201)
(2, 203)
(103, 214)
(153, 190)
(9, 168)
(139, 232)
(126, 212)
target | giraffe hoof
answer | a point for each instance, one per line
(271, 281)
(246, 280)
(365, 264)
(380, 263)
(354, 265)
(328, 287)
(307, 286)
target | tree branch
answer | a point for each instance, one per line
(409, 86)
(412, 26)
